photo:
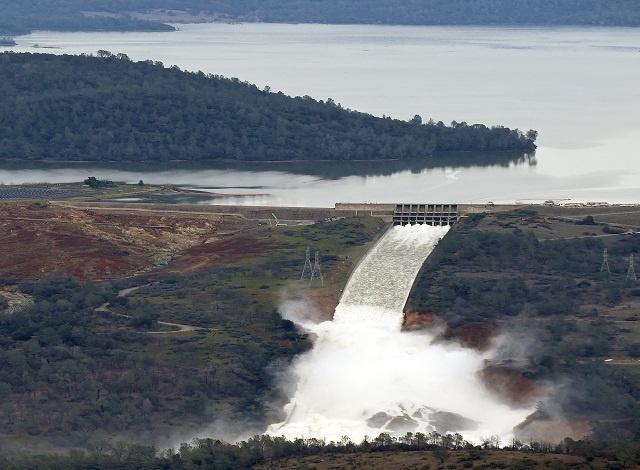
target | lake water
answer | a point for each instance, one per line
(578, 87)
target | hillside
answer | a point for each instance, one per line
(133, 325)
(146, 343)
(381, 453)
(538, 275)
(108, 108)
(74, 15)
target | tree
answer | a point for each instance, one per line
(95, 183)
(153, 113)
(384, 439)
(441, 453)
(92, 181)
(588, 220)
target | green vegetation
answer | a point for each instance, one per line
(413, 450)
(439, 12)
(555, 298)
(109, 108)
(72, 374)
(59, 15)
(95, 183)
(67, 15)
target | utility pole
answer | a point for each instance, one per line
(631, 272)
(312, 272)
(316, 273)
(605, 262)
(307, 264)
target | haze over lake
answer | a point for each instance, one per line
(577, 87)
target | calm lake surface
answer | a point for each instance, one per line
(578, 87)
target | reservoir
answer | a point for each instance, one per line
(576, 86)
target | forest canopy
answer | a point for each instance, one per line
(70, 15)
(109, 108)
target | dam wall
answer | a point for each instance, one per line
(437, 214)
(407, 213)
(425, 214)
(311, 214)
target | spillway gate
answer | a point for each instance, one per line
(429, 214)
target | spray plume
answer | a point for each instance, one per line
(364, 376)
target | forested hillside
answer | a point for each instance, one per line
(542, 280)
(21, 17)
(111, 109)
(75, 369)
(77, 375)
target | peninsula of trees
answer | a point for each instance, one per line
(108, 108)
(66, 15)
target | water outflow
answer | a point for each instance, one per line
(364, 376)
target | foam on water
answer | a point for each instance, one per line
(364, 376)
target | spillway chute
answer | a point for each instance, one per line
(365, 376)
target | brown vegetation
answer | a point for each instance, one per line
(40, 240)
(428, 459)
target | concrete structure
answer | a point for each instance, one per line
(384, 211)
(398, 214)
(425, 214)
(405, 214)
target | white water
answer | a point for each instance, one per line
(363, 366)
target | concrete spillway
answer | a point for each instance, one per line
(429, 214)
(405, 213)
(384, 277)
(364, 376)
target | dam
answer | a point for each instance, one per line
(365, 376)
(435, 214)
(425, 214)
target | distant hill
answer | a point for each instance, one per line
(108, 108)
(70, 15)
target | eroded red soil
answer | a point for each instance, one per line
(475, 335)
(512, 386)
(44, 241)
(226, 250)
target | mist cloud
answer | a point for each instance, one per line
(364, 376)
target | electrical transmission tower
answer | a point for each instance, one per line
(605, 262)
(312, 272)
(631, 273)
(316, 273)
(307, 269)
